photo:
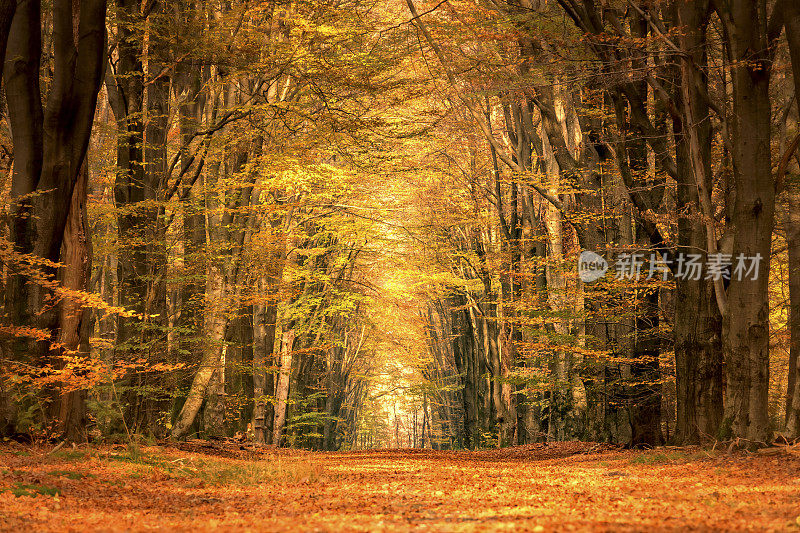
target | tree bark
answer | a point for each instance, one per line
(698, 323)
(265, 322)
(282, 388)
(70, 409)
(746, 324)
(135, 222)
(791, 17)
(793, 244)
(214, 325)
(50, 146)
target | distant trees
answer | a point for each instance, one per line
(646, 130)
(230, 127)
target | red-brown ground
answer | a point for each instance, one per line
(560, 487)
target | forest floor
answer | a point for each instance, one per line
(558, 487)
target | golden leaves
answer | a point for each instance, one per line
(542, 487)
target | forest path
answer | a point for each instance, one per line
(561, 487)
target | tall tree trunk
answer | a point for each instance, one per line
(214, 326)
(335, 384)
(265, 317)
(282, 388)
(140, 177)
(50, 148)
(190, 317)
(265, 322)
(793, 244)
(156, 315)
(70, 410)
(791, 17)
(21, 81)
(746, 320)
(698, 323)
(126, 92)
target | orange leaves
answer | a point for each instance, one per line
(67, 373)
(72, 371)
(24, 332)
(90, 300)
(544, 487)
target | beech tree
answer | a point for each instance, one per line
(48, 185)
(356, 224)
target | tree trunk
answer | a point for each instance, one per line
(793, 244)
(282, 389)
(126, 92)
(70, 410)
(265, 321)
(214, 326)
(49, 147)
(791, 17)
(746, 322)
(698, 323)
(190, 317)
(335, 385)
(464, 356)
(265, 317)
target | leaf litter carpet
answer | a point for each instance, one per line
(571, 486)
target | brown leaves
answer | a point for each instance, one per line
(542, 487)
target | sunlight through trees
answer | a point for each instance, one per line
(352, 225)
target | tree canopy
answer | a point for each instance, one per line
(438, 224)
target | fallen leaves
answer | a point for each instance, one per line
(556, 486)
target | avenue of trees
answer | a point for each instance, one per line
(350, 224)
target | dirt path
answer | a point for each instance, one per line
(539, 488)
